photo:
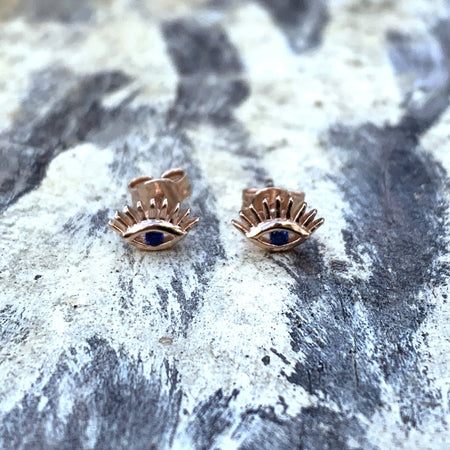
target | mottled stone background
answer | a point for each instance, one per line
(341, 344)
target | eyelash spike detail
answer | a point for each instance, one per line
(124, 221)
(155, 221)
(276, 219)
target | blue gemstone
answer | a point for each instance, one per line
(279, 238)
(154, 238)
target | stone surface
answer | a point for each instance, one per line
(342, 343)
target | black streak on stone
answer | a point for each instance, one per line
(197, 49)
(113, 405)
(302, 21)
(77, 113)
(282, 402)
(211, 82)
(21, 169)
(423, 67)
(126, 286)
(66, 11)
(14, 327)
(35, 139)
(75, 224)
(280, 355)
(163, 300)
(314, 428)
(188, 305)
(396, 218)
(84, 226)
(98, 222)
(211, 419)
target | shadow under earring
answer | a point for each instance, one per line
(276, 219)
(155, 222)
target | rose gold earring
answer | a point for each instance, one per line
(154, 222)
(276, 219)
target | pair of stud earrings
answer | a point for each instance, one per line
(272, 218)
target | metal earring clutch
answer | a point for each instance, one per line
(276, 219)
(154, 222)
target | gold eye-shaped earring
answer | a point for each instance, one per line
(155, 222)
(276, 219)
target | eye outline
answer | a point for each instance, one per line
(256, 233)
(283, 213)
(133, 234)
(133, 222)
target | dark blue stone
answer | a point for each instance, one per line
(279, 237)
(154, 238)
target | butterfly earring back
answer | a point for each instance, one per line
(276, 219)
(155, 222)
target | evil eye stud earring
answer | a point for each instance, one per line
(155, 222)
(276, 219)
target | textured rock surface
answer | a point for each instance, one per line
(343, 343)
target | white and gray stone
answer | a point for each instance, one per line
(343, 343)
